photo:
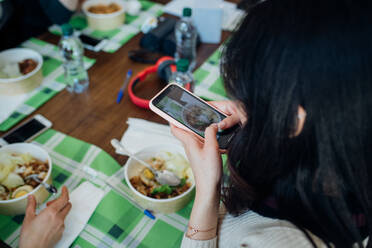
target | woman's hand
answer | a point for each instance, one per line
(206, 164)
(45, 229)
(205, 159)
(235, 114)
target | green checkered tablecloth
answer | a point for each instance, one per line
(208, 82)
(116, 222)
(53, 81)
(117, 37)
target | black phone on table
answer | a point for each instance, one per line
(92, 43)
(27, 131)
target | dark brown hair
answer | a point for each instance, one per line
(317, 54)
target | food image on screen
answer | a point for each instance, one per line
(199, 118)
(188, 110)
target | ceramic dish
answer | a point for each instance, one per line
(169, 205)
(104, 22)
(25, 83)
(18, 205)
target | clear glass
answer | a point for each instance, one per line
(76, 76)
(182, 78)
(186, 38)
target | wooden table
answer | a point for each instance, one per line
(94, 116)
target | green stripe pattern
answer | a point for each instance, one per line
(119, 36)
(53, 81)
(116, 222)
(208, 82)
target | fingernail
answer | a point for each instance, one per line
(221, 125)
(214, 125)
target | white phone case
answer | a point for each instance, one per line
(171, 119)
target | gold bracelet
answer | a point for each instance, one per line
(195, 231)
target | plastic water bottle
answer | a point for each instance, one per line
(72, 51)
(186, 36)
(182, 76)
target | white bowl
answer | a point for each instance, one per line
(24, 83)
(18, 205)
(169, 205)
(104, 22)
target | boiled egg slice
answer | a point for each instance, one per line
(21, 191)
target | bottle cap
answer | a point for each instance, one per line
(182, 65)
(67, 29)
(187, 12)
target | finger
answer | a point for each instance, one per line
(228, 122)
(63, 213)
(51, 202)
(30, 209)
(211, 137)
(188, 139)
(61, 201)
(223, 106)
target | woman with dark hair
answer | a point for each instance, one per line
(299, 171)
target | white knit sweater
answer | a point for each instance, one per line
(253, 230)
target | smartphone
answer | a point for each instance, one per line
(27, 131)
(186, 110)
(92, 43)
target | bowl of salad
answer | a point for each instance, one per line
(149, 193)
(17, 162)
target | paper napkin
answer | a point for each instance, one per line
(84, 200)
(231, 14)
(142, 133)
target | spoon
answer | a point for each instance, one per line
(49, 187)
(163, 177)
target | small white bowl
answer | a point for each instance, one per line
(104, 22)
(169, 205)
(18, 205)
(25, 83)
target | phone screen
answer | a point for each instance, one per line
(187, 109)
(89, 40)
(24, 132)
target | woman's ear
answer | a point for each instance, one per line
(301, 117)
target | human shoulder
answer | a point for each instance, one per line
(253, 230)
